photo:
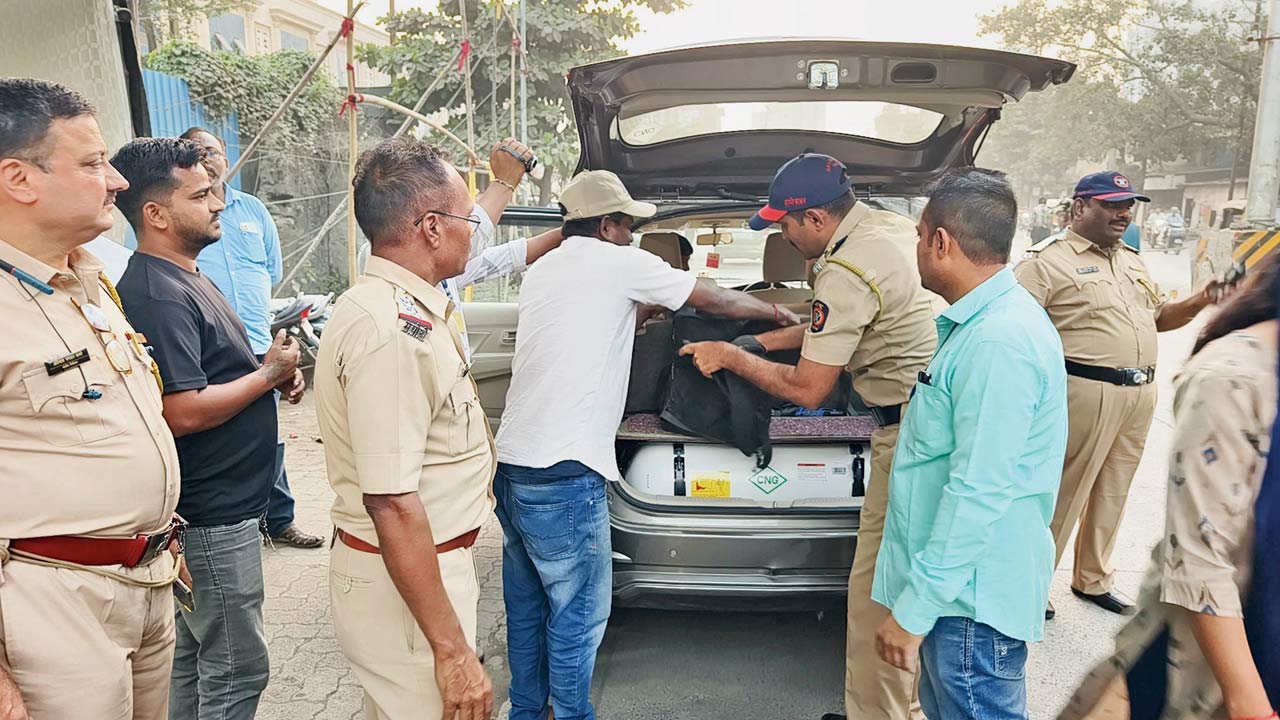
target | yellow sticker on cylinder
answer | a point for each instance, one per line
(710, 485)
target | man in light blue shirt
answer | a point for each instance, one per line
(967, 555)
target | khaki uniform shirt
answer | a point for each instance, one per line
(880, 324)
(70, 465)
(398, 408)
(1103, 302)
(1225, 404)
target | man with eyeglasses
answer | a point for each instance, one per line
(407, 446)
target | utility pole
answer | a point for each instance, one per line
(524, 70)
(1264, 168)
(391, 10)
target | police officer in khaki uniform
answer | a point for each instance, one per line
(1100, 296)
(88, 469)
(872, 317)
(408, 447)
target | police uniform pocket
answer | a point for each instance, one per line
(1100, 293)
(466, 423)
(547, 529)
(64, 415)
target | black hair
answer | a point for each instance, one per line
(191, 132)
(28, 108)
(148, 163)
(686, 247)
(837, 208)
(978, 207)
(395, 182)
(588, 227)
(1255, 302)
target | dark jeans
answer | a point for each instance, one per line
(557, 563)
(971, 671)
(220, 667)
(280, 502)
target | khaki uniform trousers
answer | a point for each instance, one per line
(80, 645)
(874, 689)
(1109, 426)
(380, 638)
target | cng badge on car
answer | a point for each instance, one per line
(768, 480)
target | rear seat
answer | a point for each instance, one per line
(665, 245)
(783, 264)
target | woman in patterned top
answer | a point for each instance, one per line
(1204, 643)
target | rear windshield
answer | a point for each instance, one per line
(888, 122)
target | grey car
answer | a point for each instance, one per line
(701, 132)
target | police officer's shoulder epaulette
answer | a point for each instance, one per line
(1035, 250)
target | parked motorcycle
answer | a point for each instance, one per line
(299, 317)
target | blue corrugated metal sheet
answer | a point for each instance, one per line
(172, 111)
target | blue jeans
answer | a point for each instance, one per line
(280, 502)
(969, 670)
(220, 667)
(557, 575)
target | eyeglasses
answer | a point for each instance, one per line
(111, 345)
(470, 220)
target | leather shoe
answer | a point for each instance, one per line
(292, 535)
(1109, 601)
(835, 716)
(1049, 612)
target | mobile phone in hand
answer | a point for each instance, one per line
(186, 599)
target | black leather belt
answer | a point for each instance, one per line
(1124, 377)
(887, 415)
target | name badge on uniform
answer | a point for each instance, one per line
(414, 326)
(1087, 270)
(60, 365)
(250, 227)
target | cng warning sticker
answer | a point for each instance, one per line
(711, 485)
(768, 480)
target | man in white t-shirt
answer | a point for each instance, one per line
(555, 447)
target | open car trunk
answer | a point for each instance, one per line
(718, 121)
(816, 461)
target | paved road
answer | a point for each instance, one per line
(689, 666)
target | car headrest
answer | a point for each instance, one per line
(782, 262)
(665, 245)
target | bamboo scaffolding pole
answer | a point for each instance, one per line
(353, 247)
(294, 93)
(332, 221)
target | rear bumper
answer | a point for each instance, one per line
(697, 557)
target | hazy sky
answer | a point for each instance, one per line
(953, 22)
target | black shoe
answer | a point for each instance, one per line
(1049, 612)
(1110, 601)
(835, 716)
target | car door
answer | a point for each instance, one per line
(491, 312)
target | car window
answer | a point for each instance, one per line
(889, 122)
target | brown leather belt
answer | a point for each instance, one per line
(465, 540)
(129, 552)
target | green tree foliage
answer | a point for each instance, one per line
(1158, 81)
(254, 87)
(562, 34)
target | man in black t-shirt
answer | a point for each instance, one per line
(218, 402)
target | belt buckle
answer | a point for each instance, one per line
(1137, 376)
(159, 542)
(878, 415)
